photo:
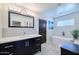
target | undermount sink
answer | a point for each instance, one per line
(23, 36)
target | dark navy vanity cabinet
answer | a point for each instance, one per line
(22, 47)
(69, 48)
(6, 48)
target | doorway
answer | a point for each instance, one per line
(42, 29)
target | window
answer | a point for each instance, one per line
(66, 22)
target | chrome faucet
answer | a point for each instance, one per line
(63, 33)
(24, 33)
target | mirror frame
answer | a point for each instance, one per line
(9, 12)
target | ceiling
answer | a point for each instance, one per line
(50, 9)
(40, 7)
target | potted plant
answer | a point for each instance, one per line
(75, 34)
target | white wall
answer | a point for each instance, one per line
(7, 31)
(49, 31)
(0, 21)
(67, 29)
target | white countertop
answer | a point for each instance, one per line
(17, 38)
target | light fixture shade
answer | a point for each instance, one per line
(14, 8)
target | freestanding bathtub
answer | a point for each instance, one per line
(58, 40)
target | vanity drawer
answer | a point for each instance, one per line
(6, 45)
(37, 44)
(37, 40)
(6, 48)
(38, 48)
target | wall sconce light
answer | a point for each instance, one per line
(16, 9)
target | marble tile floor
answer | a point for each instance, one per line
(49, 49)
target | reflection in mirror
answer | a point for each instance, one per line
(20, 20)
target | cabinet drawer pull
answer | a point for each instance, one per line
(37, 39)
(37, 44)
(4, 52)
(8, 46)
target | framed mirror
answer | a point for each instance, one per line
(20, 21)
